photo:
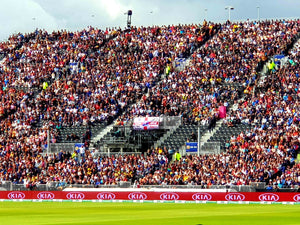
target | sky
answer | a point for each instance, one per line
(26, 15)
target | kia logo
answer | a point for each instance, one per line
(297, 198)
(137, 196)
(45, 195)
(268, 197)
(106, 196)
(202, 197)
(16, 195)
(75, 195)
(169, 196)
(235, 197)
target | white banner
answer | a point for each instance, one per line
(146, 123)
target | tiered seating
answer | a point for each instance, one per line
(89, 85)
(150, 104)
(225, 133)
(183, 134)
(220, 71)
(76, 134)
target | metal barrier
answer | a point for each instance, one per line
(56, 186)
(211, 148)
(59, 186)
(97, 154)
(56, 147)
(10, 186)
(179, 64)
(168, 122)
(237, 188)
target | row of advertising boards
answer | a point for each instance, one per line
(153, 195)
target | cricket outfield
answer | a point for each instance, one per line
(85, 213)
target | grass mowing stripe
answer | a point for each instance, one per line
(58, 213)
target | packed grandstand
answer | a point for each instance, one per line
(91, 79)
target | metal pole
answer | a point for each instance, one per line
(205, 14)
(229, 8)
(151, 12)
(258, 16)
(48, 141)
(34, 24)
(198, 144)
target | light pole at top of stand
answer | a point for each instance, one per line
(129, 14)
(34, 23)
(151, 13)
(258, 15)
(229, 8)
(205, 14)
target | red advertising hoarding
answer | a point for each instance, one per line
(153, 195)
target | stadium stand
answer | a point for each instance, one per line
(73, 85)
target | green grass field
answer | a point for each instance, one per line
(145, 213)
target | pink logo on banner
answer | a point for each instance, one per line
(202, 197)
(16, 195)
(137, 196)
(45, 195)
(169, 196)
(297, 198)
(75, 195)
(235, 197)
(106, 196)
(268, 197)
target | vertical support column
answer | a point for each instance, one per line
(198, 144)
(48, 141)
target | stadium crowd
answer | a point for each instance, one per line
(234, 55)
(93, 76)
